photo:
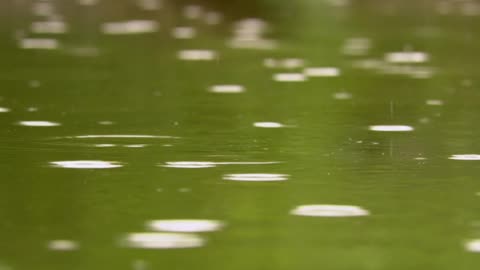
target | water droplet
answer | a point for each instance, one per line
(465, 157)
(163, 240)
(185, 225)
(38, 123)
(227, 89)
(86, 164)
(325, 210)
(391, 128)
(63, 245)
(256, 177)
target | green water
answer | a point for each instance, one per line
(423, 206)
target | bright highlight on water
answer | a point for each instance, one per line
(86, 164)
(256, 177)
(327, 210)
(391, 128)
(185, 225)
(153, 240)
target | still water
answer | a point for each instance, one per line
(327, 134)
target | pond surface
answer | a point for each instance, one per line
(252, 135)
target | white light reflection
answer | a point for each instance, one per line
(185, 225)
(268, 125)
(130, 27)
(184, 32)
(163, 240)
(256, 177)
(406, 57)
(227, 89)
(49, 27)
(86, 164)
(322, 72)
(189, 164)
(465, 157)
(62, 245)
(391, 128)
(197, 55)
(327, 210)
(434, 102)
(211, 164)
(289, 77)
(39, 43)
(4, 110)
(38, 123)
(122, 136)
(342, 95)
(473, 245)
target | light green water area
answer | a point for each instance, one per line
(269, 135)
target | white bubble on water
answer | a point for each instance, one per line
(322, 72)
(465, 157)
(289, 77)
(62, 245)
(197, 55)
(39, 43)
(86, 164)
(342, 95)
(4, 110)
(38, 124)
(473, 245)
(49, 27)
(155, 240)
(185, 225)
(227, 89)
(329, 210)
(256, 177)
(184, 32)
(130, 27)
(268, 125)
(434, 102)
(406, 57)
(391, 128)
